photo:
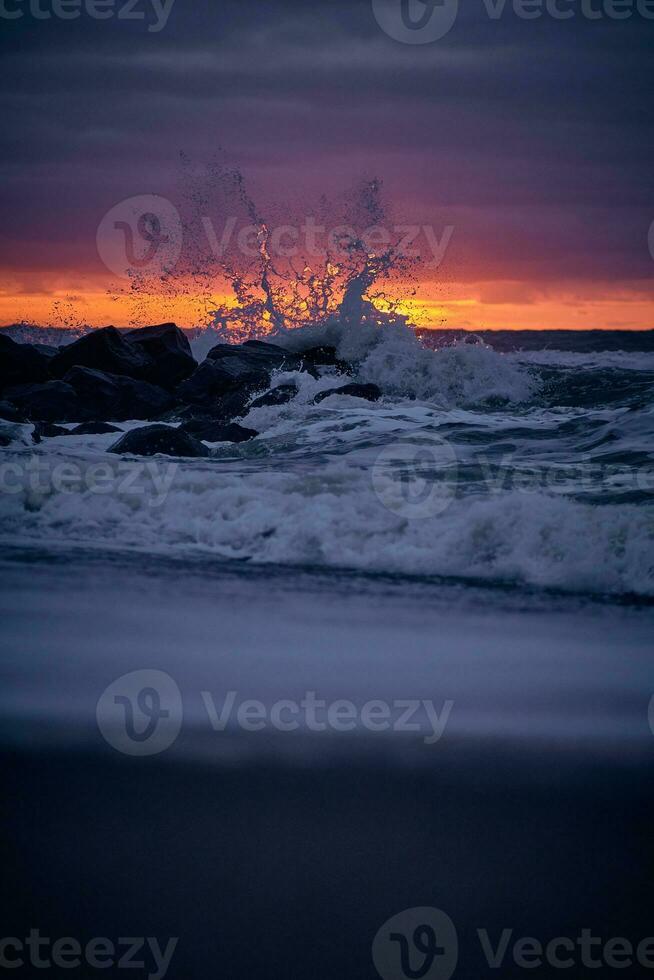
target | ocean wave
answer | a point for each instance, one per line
(337, 517)
(395, 359)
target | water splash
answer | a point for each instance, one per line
(253, 289)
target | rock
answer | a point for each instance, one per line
(276, 396)
(93, 429)
(21, 364)
(169, 350)
(152, 440)
(211, 431)
(185, 413)
(234, 372)
(237, 365)
(370, 392)
(211, 389)
(104, 350)
(232, 405)
(109, 396)
(316, 357)
(47, 430)
(51, 402)
(206, 384)
(10, 413)
(99, 391)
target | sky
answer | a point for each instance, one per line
(523, 143)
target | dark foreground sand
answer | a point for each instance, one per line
(279, 872)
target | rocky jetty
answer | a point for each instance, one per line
(108, 376)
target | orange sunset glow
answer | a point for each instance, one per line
(67, 301)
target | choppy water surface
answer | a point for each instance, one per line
(532, 469)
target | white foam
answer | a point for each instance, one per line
(331, 515)
(396, 360)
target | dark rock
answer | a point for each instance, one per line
(104, 350)
(169, 350)
(224, 383)
(152, 440)
(141, 400)
(211, 389)
(211, 431)
(99, 392)
(206, 384)
(109, 396)
(276, 396)
(232, 405)
(51, 402)
(47, 430)
(10, 413)
(93, 429)
(231, 365)
(316, 357)
(370, 392)
(21, 364)
(185, 413)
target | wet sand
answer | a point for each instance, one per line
(278, 871)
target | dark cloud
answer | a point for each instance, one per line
(534, 138)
